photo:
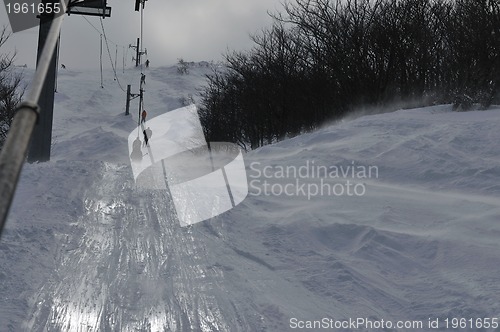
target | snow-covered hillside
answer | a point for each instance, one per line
(390, 217)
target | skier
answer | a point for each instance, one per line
(147, 135)
(144, 114)
(147, 63)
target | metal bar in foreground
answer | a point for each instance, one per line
(16, 145)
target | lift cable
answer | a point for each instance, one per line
(93, 26)
(100, 31)
(101, 34)
(110, 57)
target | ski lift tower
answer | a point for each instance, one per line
(42, 136)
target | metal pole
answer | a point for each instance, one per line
(16, 145)
(140, 105)
(102, 86)
(42, 136)
(127, 105)
(138, 54)
(142, 36)
(116, 59)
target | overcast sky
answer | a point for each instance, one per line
(194, 30)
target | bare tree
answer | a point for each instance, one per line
(11, 89)
(323, 58)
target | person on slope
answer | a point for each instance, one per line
(147, 135)
(144, 114)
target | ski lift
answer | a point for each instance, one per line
(138, 3)
(89, 7)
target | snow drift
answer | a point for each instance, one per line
(86, 250)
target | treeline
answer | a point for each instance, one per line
(11, 89)
(324, 58)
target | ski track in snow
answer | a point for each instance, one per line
(134, 269)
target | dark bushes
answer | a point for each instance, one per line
(324, 58)
(11, 89)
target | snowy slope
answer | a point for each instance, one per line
(84, 250)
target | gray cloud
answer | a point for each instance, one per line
(191, 29)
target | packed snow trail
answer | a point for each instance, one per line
(127, 265)
(84, 250)
(133, 269)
